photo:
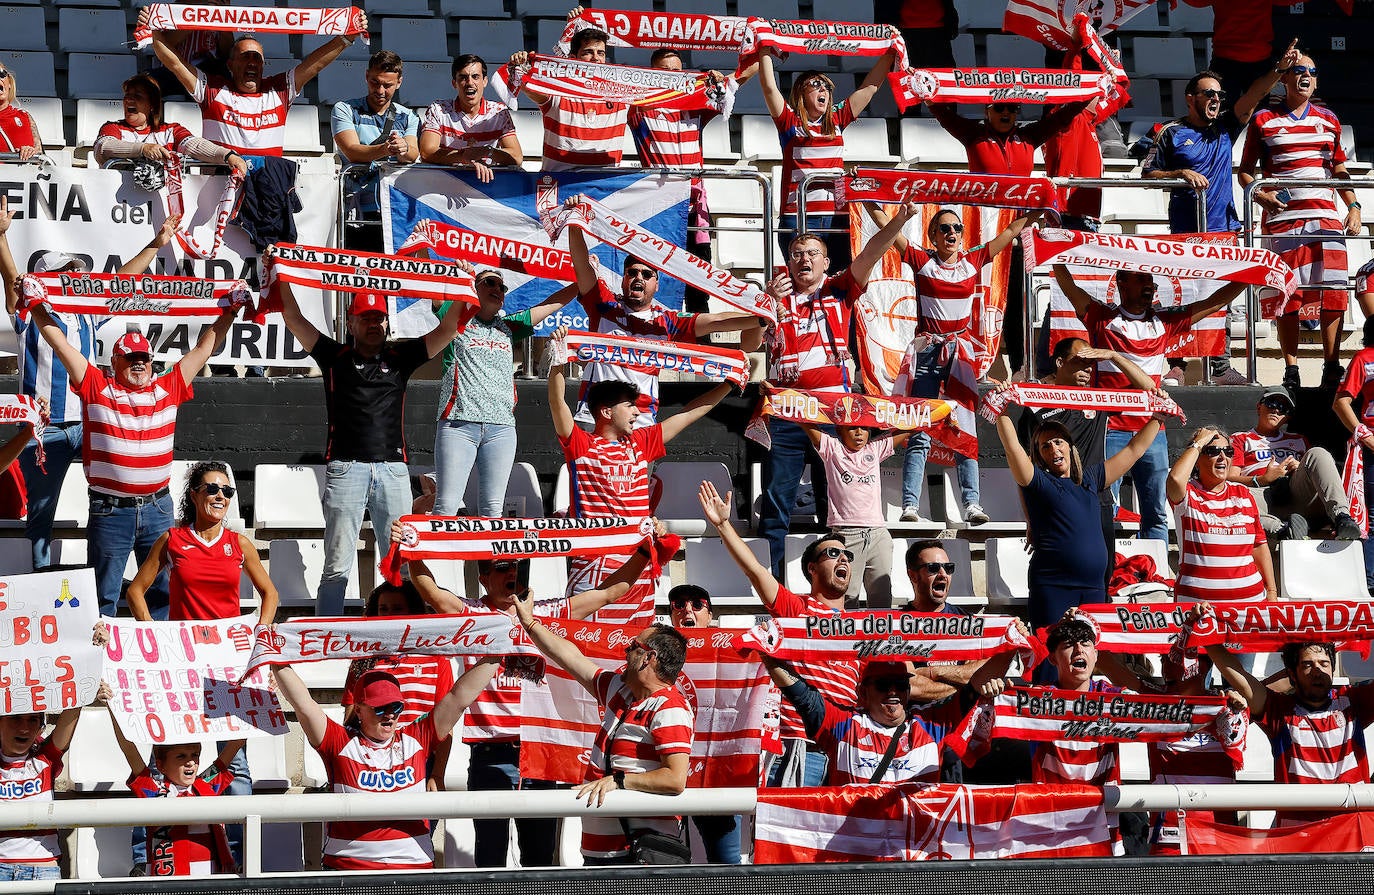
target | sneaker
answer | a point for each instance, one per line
(1332, 375)
(1174, 378)
(976, 515)
(1347, 529)
(1295, 529)
(1292, 379)
(911, 514)
(1232, 376)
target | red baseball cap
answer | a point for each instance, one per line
(377, 688)
(368, 302)
(133, 342)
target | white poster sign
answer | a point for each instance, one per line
(48, 662)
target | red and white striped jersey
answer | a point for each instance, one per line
(809, 347)
(836, 681)
(127, 436)
(1304, 145)
(1141, 340)
(946, 291)
(170, 134)
(1359, 384)
(1218, 533)
(29, 778)
(458, 130)
(424, 681)
(494, 715)
(668, 138)
(856, 745)
(806, 150)
(248, 123)
(1197, 759)
(635, 737)
(582, 132)
(611, 478)
(1319, 745)
(356, 764)
(1077, 761)
(1252, 452)
(186, 849)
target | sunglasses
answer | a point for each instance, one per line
(950, 228)
(696, 603)
(494, 282)
(390, 710)
(1276, 405)
(137, 357)
(935, 568)
(505, 565)
(213, 488)
(816, 84)
(890, 683)
(635, 646)
(4, 74)
(1006, 107)
(1211, 94)
(1213, 450)
(836, 553)
(640, 273)
(1304, 70)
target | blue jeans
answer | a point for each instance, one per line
(496, 766)
(241, 786)
(112, 533)
(350, 487)
(61, 446)
(23, 872)
(1148, 476)
(812, 765)
(782, 473)
(458, 445)
(927, 381)
(719, 837)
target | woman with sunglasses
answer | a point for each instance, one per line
(1068, 565)
(811, 127)
(1223, 553)
(204, 558)
(18, 130)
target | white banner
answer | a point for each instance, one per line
(46, 622)
(175, 682)
(101, 217)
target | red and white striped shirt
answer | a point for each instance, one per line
(356, 764)
(582, 132)
(638, 736)
(128, 433)
(1141, 340)
(856, 745)
(424, 681)
(1077, 761)
(170, 134)
(248, 123)
(1359, 384)
(946, 291)
(1318, 745)
(1218, 534)
(1251, 452)
(668, 138)
(1304, 145)
(806, 150)
(459, 130)
(838, 682)
(29, 778)
(494, 715)
(809, 346)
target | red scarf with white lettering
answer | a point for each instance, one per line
(344, 270)
(483, 250)
(262, 20)
(653, 356)
(655, 88)
(890, 636)
(1161, 257)
(132, 295)
(604, 225)
(819, 38)
(888, 185)
(980, 86)
(225, 208)
(1268, 627)
(1127, 402)
(657, 30)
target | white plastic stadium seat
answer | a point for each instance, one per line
(998, 494)
(295, 566)
(891, 480)
(492, 39)
(1008, 571)
(397, 7)
(1013, 51)
(678, 506)
(793, 548)
(89, 30)
(91, 114)
(715, 144)
(359, 50)
(24, 27)
(1322, 570)
(47, 114)
(865, 141)
(759, 139)
(924, 141)
(344, 79)
(965, 54)
(980, 15)
(73, 501)
(489, 9)
(313, 773)
(16, 556)
(288, 497)
(99, 75)
(710, 565)
(33, 69)
(1191, 20)
(523, 498)
(427, 81)
(303, 131)
(1152, 547)
(184, 113)
(1164, 57)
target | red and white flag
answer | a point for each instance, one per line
(980, 86)
(726, 691)
(344, 270)
(653, 356)
(1352, 478)
(21, 410)
(336, 22)
(891, 636)
(133, 295)
(890, 185)
(656, 30)
(1268, 627)
(1127, 402)
(910, 822)
(1346, 833)
(1051, 22)
(821, 38)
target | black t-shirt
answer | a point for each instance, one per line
(1087, 428)
(365, 398)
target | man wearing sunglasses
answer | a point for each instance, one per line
(1293, 137)
(1293, 483)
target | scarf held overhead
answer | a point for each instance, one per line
(937, 416)
(1140, 629)
(1268, 627)
(887, 185)
(653, 356)
(133, 295)
(336, 22)
(597, 82)
(1055, 22)
(821, 38)
(657, 30)
(980, 86)
(1127, 402)
(348, 271)
(890, 636)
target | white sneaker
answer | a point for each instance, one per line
(1232, 376)
(1174, 378)
(911, 514)
(976, 514)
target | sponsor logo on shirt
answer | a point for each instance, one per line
(20, 789)
(385, 781)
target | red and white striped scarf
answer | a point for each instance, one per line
(915, 822)
(321, 639)
(293, 20)
(656, 88)
(820, 38)
(653, 356)
(1268, 627)
(1201, 259)
(599, 222)
(1352, 478)
(24, 410)
(1127, 402)
(1046, 714)
(225, 208)
(344, 270)
(132, 295)
(888, 185)
(980, 86)
(890, 636)
(726, 691)
(1140, 629)
(483, 250)
(1054, 22)
(447, 537)
(657, 30)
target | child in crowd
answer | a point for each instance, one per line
(852, 457)
(29, 763)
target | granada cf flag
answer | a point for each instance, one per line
(1051, 21)
(725, 690)
(1351, 832)
(910, 822)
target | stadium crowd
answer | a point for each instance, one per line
(1234, 496)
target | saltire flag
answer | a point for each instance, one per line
(498, 224)
(1051, 22)
(911, 822)
(726, 691)
(1268, 627)
(1347, 832)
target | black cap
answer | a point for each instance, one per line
(689, 592)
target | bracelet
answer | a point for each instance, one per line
(1354, 206)
(1254, 481)
(619, 778)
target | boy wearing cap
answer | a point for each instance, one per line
(365, 454)
(379, 756)
(1293, 483)
(41, 375)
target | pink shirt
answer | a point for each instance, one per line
(856, 492)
